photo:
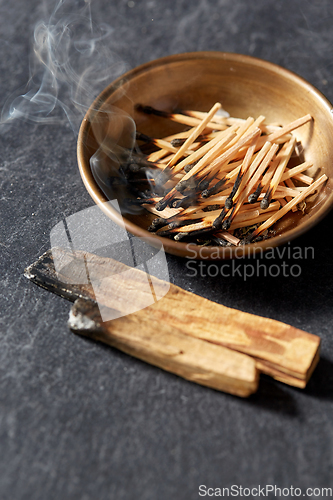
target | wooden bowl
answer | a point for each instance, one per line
(245, 86)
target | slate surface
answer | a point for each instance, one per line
(82, 421)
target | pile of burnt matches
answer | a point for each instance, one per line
(223, 180)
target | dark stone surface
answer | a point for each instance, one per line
(79, 420)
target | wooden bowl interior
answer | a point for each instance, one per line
(246, 87)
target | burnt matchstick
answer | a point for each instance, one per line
(254, 196)
(264, 181)
(289, 128)
(189, 167)
(229, 154)
(222, 138)
(177, 142)
(249, 179)
(229, 200)
(179, 117)
(285, 155)
(294, 202)
(142, 201)
(217, 224)
(163, 144)
(221, 242)
(296, 171)
(227, 222)
(185, 202)
(193, 234)
(244, 167)
(157, 223)
(214, 189)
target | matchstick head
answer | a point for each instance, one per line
(228, 203)
(264, 204)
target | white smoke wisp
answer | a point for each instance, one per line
(72, 61)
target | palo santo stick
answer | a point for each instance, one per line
(192, 137)
(288, 350)
(140, 334)
(280, 213)
(170, 349)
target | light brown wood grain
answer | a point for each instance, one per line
(281, 350)
(169, 348)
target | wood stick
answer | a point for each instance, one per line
(292, 353)
(180, 118)
(170, 349)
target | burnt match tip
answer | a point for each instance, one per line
(177, 142)
(226, 225)
(264, 204)
(228, 203)
(252, 198)
(161, 205)
(180, 236)
(203, 185)
(205, 193)
(149, 110)
(144, 109)
(217, 223)
(174, 224)
(142, 137)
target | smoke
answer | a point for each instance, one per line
(71, 62)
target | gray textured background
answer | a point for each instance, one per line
(82, 421)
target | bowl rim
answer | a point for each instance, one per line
(172, 246)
